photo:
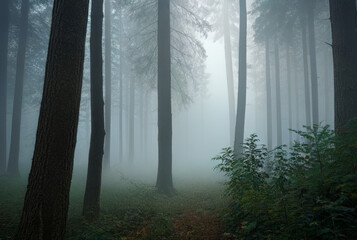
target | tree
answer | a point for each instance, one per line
(46, 203)
(268, 93)
(344, 45)
(108, 82)
(13, 165)
(242, 78)
(278, 94)
(91, 204)
(4, 42)
(164, 182)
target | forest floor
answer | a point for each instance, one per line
(131, 210)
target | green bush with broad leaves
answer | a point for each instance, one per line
(306, 192)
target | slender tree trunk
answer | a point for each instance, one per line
(141, 120)
(13, 165)
(268, 94)
(313, 65)
(344, 42)
(242, 79)
(44, 215)
(146, 123)
(327, 86)
(278, 97)
(229, 68)
(108, 82)
(131, 118)
(306, 72)
(297, 97)
(288, 76)
(4, 42)
(91, 204)
(164, 175)
(121, 155)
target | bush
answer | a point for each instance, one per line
(306, 192)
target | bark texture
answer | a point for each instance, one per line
(242, 78)
(91, 204)
(164, 175)
(45, 209)
(108, 82)
(13, 165)
(4, 42)
(344, 42)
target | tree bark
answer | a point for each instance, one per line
(91, 204)
(45, 209)
(121, 155)
(242, 79)
(278, 97)
(229, 69)
(268, 95)
(164, 182)
(108, 82)
(313, 65)
(344, 42)
(13, 165)
(4, 42)
(131, 118)
(288, 77)
(306, 71)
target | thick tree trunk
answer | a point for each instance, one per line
(344, 42)
(131, 118)
(242, 79)
(164, 175)
(268, 94)
(288, 77)
(45, 209)
(108, 82)
(4, 42)
(91, 204)
(13, 165)
(121, 155)
(229, 68)
(306, 71)
(278, 97)
(313, 65)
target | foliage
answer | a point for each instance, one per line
(306, 192)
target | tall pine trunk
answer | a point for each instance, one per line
(278, 97)
(121, 92)
(108, 82)
(44, 215)
(4, 42)
(91, 204)
(306, 71)
(164, 182)
(13, 165)
(268, 95)
(229, 68)
(313, 65)
(344, 45)
(288, 77)
(242, 79)
(131, 117)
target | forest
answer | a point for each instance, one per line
(178, 119)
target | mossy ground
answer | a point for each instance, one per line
(130, 210)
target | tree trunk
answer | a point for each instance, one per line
(296, 86)
(108, 82)
(45, 209)
(4, 42)
(131, 118)
(312, 48)
(121, 155)
(288, 77)
(278, 98)
(306, 71)
(229, 69)
(164, 175)
(13, 165)
(91, 204)
(242, 79)
(268, 94)
(344, 42)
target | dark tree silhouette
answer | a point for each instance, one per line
(45, 209)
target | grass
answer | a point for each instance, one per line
(129, 210)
